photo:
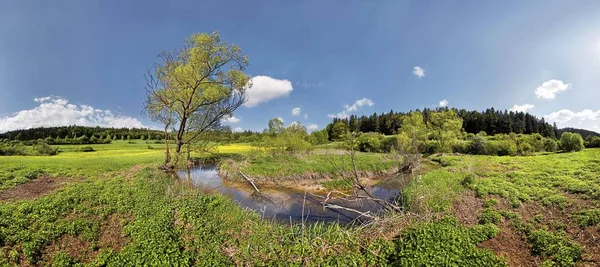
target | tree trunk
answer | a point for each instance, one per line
(167, 153)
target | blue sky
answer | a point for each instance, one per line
(339, 57)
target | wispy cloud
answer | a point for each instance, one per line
(351, 108)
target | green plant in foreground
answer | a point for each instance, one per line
(587, 218)
(558, 247)
(445, 243)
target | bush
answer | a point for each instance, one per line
(369, 142)
(43, 148)
(594, 142)
(86, 149)
(389, 144)
(525, 149)
(477, 146)
(570, 142)
(550, 145)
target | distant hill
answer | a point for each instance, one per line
(582, 132)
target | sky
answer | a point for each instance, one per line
(82, 62)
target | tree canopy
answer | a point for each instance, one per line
(192, 88)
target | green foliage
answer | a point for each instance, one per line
(389, 143)
(489, 215)
(570, 142)
(370, 142)
(319, 137)
(445, 127)
(587, 218)
(338, 131)
(593, 142)
(413, 134)
(86, 149)
(445, 243)
(558, 247)
(550, 145)
(276, 126)
(43, 149)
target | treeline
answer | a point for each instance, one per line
(490, 121)
(74, 132)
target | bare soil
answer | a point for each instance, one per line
(511, 245)
(468, 208)
(32, 189)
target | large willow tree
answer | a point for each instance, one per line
(191, 89)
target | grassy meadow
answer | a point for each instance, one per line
(114, 207)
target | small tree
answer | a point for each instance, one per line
(197, 86)
(571, 142)
(445, 128)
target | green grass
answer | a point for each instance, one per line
(106, 158)
(264, 165)
(562, 189)
(164, 222)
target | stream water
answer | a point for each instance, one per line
(288, 204)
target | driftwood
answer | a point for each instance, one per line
(365, 214)
(250, 181)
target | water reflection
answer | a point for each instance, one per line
(286, 204)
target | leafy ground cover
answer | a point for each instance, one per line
(475, 211)
(547, 203)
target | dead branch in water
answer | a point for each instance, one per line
(365, 214)
(250, 181)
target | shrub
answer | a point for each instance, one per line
(86, 149)
(389, 143)
(550, 145)
(477, 145)
(571, 142)
(43, 148)
(369, 142)
(525, 149)
(594, 142)
(507, 148)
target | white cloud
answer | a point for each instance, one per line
(55, 111)
(296, 111)
(351, 108)
(444, 103)
(522, 108)
(306, 116)
(238, 129)
(231, 120)
(312, 127)
(419, 72)
(548, 90)
(587, 118)
(265, 89)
